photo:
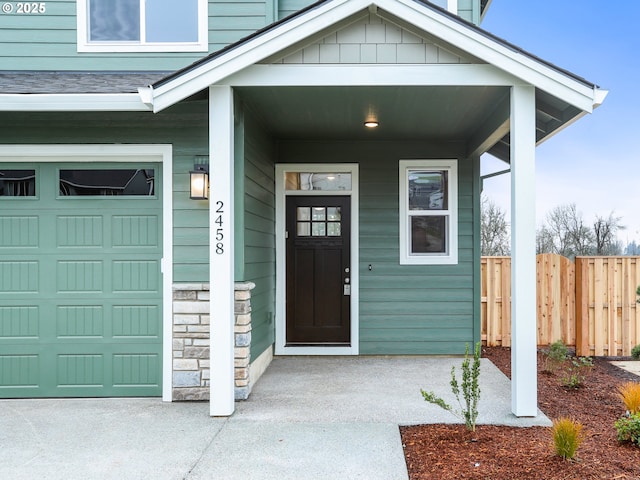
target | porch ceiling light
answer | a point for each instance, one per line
(371, 123)
(199, 182)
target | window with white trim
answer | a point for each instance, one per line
(428, 212)
(142, 26)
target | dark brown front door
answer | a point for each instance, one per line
(318, 270)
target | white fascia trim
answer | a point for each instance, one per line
(124, 153)
(78, 102)
(255, 50)
(372, 75)
(522, 66)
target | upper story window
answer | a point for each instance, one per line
(428, 212)
(142, 26)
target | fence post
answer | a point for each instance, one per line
(582, 307)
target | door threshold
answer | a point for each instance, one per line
(334, 349)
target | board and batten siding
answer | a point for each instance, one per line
(259, 265)
(406, 309)
(183, 126)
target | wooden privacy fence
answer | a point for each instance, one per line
(590, 304)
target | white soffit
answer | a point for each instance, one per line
(504, 57)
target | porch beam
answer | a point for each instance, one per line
(221, 268)
(491, 130)
(524, 381)
(304, 75)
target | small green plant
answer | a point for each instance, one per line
(635, 352)
(576, 373)
(567, 436)
(555, 356)
(628, 428)
(629, 393)
(638, 293)
(470, 390)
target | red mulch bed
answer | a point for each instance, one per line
(498, 452)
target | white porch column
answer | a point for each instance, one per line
(524, 380)
(221, 249)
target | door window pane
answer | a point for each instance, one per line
(319, 213)
(319, 229)
(17, 183)
(333, 214)
(334, 229)
(303, 229)
(428, 234)
(303, 213)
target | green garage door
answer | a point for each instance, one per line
(80, 280)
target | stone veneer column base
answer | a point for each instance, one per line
(191, 374)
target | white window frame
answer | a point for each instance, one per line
(450, 257)
(84, 45)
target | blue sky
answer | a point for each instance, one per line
(594, 162)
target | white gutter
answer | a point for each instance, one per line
(79, 102)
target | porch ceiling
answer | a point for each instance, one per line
(468, 115)
(445, 114)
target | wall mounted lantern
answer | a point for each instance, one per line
(199, 181)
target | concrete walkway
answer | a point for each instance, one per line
(307, 418)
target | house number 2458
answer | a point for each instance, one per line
(220, 230)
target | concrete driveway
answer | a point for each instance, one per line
(307, 418)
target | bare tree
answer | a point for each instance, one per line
(565, 233)
(604, 231)
(494, 229)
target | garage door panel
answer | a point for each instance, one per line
(80, 370)
(80, 294)
(80, 321)
(136, 276)
(135, 321)
(79, 231)
(19, 276)
(79, 276)
(19, 321)
(19, 371)
(136, 370)
(19, 232)
(138, 231)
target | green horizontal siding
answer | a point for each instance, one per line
(191, 219)
(469, 10)
(259, 233)
(49, 41)
(287, 7)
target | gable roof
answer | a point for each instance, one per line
(324, 14)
